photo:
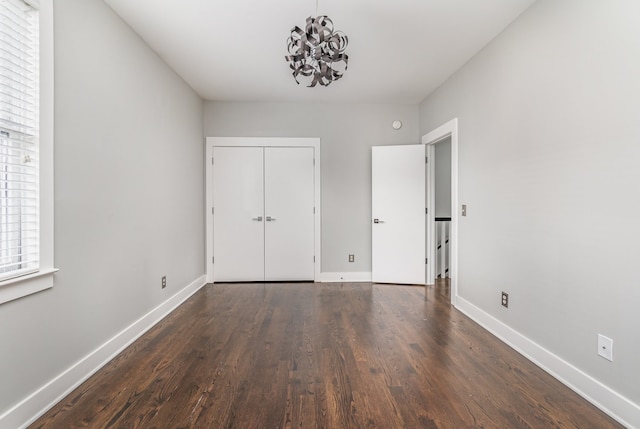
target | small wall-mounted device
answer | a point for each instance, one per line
(396, 124)
(605, 347)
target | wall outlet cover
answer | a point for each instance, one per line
(605, 347)
(505, 299)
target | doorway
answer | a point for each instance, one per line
(442, 166)
(449, 130)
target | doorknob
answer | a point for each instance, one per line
(257, 219)
(270, 219)
(378, 221)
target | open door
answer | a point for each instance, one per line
(399, 207)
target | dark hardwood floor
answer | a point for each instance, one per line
(351, 355)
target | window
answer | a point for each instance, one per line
(19, 88)
(26, 149)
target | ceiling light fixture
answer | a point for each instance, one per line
(317, 52)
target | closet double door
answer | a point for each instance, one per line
(263, 213)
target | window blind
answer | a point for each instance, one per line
(19, 113)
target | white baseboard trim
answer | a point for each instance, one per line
(344, 277)
(611, 402)
(39, 402)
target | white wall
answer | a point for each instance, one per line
(549, 136)
(347, 133)
(442, 163)
(129, 198)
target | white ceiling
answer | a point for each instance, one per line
(399, 50)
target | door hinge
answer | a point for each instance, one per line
(212, 210)
(213, 259)
(211, 160)
(314, 161)
(426, 159)
(426, 261)
(426, 210)
(314, 210)
(314, 259)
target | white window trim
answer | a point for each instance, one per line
(18, 287)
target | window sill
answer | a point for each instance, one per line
(18, 287)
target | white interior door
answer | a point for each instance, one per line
(289, 213)
(238, 218)
(399, 215)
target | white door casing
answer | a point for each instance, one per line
(398, 211)
(289, 213)
(448, 129)
(312, 144)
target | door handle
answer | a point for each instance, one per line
(270, 219)
(378, 221)
(257, 219)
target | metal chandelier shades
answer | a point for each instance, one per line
(317, 52)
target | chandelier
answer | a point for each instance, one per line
(317, 52)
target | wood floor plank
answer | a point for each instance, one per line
(352, 355)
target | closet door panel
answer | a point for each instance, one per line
(289, 213)
(238, 219)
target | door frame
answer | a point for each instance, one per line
(448, 129)
(211, 142)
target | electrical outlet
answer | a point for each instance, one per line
(605, 347)
(164, 282)
(352, 258)
(505, 299)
